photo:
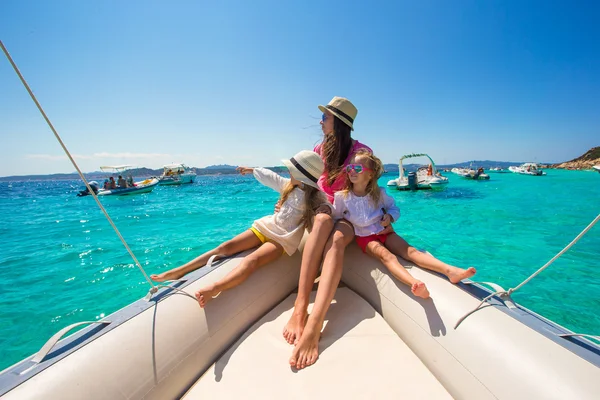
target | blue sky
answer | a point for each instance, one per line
(154, 82)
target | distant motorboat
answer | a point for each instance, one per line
(527, 169)
(426, 177)
(131, 187)
(177, 174)
(498, 170)
(470, 173)
(596, 167)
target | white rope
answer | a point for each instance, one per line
(92, 192)
(558, 255)
(507, 293)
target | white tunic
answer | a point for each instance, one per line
(362, 213)
(283, 227)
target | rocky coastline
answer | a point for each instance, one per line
(586, 161)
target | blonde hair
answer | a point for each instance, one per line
(312, 200)
(375, 164)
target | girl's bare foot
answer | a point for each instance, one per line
(458, 274)
(293, 329)
(165, 276)
(420, 290)
(206, 294)
(306, 351)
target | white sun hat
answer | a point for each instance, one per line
(306, 166)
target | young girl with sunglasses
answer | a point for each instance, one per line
(272, 235)
(370, 210)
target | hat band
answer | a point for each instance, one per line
(343, 114)
(304, 171)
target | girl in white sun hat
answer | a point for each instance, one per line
(272, 235)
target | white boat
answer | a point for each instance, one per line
(596, 167)
(379, 342)
(527, 169)
(177, 174)
(422, 179)
(144, 186)
(470, 173)
(498, 170)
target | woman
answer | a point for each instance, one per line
(326, 238)
(336, 150)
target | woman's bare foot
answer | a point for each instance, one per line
(165, 276)
(458, 274)
(206, 294)
(293, 329)
(420, 290)
(306, 351)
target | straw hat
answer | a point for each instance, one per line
(306, 166)
(343, 109)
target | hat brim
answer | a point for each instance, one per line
(298, 175)
(323, 109)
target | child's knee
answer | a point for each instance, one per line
(250, 263)
(411, 251)
(323, 220)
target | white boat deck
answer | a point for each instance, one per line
(360, 357)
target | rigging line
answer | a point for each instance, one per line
(153, 289)
(558, 255)
(507, 293)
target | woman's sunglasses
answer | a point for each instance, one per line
(358, 168)
(324, 117)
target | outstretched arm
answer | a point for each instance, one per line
(244, 170)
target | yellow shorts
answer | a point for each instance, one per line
(261, 237)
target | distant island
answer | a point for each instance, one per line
(585, 161)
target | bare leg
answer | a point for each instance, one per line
(400, 247)
(265, 254)
(378, 250)
(241, 242)
(306, 351)
(311, 259)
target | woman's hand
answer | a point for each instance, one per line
(244, 170)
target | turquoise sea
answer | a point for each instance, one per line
(62, 262)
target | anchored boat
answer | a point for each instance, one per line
(527, 169)
(379, 342)
(127, 186)
(471, 173)
(177, 174)
(426, 177)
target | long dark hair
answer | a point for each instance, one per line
(335, 149)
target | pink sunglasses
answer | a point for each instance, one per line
(358, 168)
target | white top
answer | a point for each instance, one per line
(283, 227)
(362, 213)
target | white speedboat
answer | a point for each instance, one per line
(527, 169)
(498, 170)
(177, 174)
(131, 187)
(596, 167)
(426, 177)
(379, 342)
(470, 173)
